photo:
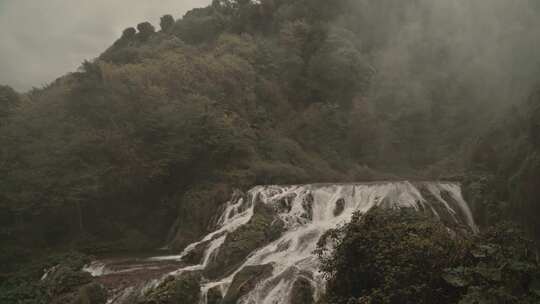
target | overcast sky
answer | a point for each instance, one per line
(41, 40)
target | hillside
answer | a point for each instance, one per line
(140, 146)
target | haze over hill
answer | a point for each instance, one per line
(42, 40)
(146, 146)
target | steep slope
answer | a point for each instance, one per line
(155, 132)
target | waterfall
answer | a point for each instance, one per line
(306, 212)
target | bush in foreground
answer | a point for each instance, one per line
(389, 256)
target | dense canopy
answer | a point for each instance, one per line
(158, 129)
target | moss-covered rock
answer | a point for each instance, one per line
(197, 212)
(92, 293)
(340, 206)
(63, 279)
(195, 256)
(185, 289)
(66, 284)
(307, 204)
(45, 280)
(245, 280)
(442, 212)
(263, 228)
(302, 292)
(214, 296)
(284, 204)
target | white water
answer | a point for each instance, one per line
(96, 269)
(231, 219)
(292, 254)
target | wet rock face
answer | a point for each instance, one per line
(185, 289)
(195, 256)
(340, 206)
(302, 292)
(263, 228)
(245, 281)
(245, 200)
(441, 210)
(307, 204)
(214, 296)
(456, 226)
(92, 293)
(284, 205)
(198, 209)
(447, 196)
(236, 196)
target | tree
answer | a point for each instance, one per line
(200, 25)
(534, 119)
(503, 268)
(402, 257)
(129, 33)
(145, 30)
(8, 100)
(166, 23)
(339, 71)
(388, 257)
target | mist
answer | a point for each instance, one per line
(270, 151)
(42, 40)
(490, 46)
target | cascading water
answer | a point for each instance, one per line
(305, 213)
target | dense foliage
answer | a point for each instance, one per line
(506, 162)
(157, 131)
(63, 283)
(404, 257)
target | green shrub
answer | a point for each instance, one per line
(388, 256)
(401, 256)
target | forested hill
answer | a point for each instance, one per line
(157, 130)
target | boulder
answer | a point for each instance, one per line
(214, 296)
(195, 256)
(197, 213)
(64, 279)
(263, 228)
(184, 289)
(340, 206)
(284, 204)
(245, 281)
(302, 292)
(92, 293)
